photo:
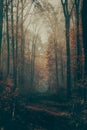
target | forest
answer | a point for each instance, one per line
(43, 65)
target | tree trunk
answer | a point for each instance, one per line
(56, 63)
(12, 42)
(1, 27)
(17, 19)
(67, 26)
(79, 51)
(33, 66)
(67, 15)
(8, 42)
(22, 45)
(84, 26)
(61, 65)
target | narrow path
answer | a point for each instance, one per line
(43, 117)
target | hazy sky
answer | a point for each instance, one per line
(39, 21)
(44, 35)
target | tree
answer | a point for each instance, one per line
(12, 42)
(51, 65)
(1, 27)
(16, 66)
(84, 27)
(8, 41)
(78, 42)
(22, 43)
(67, 14)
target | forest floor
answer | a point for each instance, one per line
(47, 113)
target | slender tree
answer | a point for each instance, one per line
(67, 14)
(61, 66)
(8, 41)
(33, 57)
(1, 26)
(12, 42)
(84, 26)
(22, 43)
(17, 21)
(1, 21)
(78, 42)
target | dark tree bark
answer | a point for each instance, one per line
(12, 42)
(56, 63)
(17, 20)
(61, 65)
(79, 50)
(33, 65)
(67, 15)
(22, 44)
(1, 26)
(84, 26)
(8, 42)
